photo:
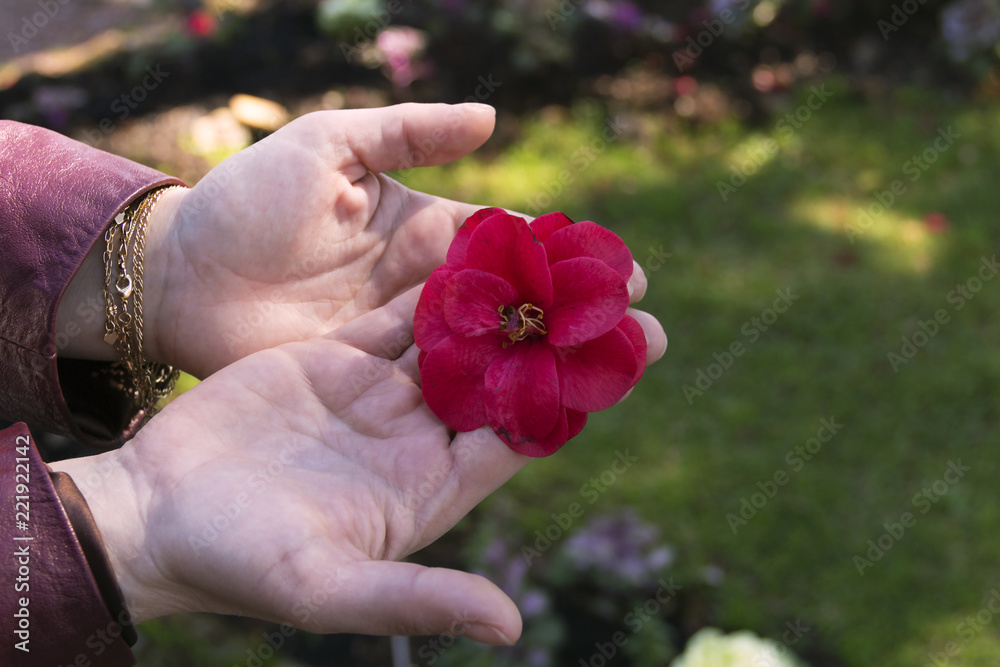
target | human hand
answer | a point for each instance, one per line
(301, 233)
(330, 467)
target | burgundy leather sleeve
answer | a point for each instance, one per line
(57, 196)
(51, 611)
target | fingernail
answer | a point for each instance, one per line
(480, 108)
(503, 638)
(487, 634)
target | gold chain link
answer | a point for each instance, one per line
(147, 382)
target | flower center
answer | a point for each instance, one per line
(519, 323)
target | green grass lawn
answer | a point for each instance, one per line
(826, 357)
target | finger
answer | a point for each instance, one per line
(430, 225)
(483, 463)
(656, 339)
(408, 363)
(410, 135)
(385, 332)
(390, 598)
(637, 283)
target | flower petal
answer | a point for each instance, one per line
(472, 299)
(505, 246)
(452, 379)
(522, 392)
(589, 300)
(456, 251)
(588, 239)
(576, 421)
(596, 375)
(429, 324)
(546, 225)
(570, 424)
(635, 334)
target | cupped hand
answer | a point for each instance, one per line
(301, 233)
(287, 485)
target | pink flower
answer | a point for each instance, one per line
(524, 328)
(399, 50)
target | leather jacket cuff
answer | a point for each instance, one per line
(87, 533)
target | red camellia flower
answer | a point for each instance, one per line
(524, 328)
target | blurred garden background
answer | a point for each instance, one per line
(812, 188)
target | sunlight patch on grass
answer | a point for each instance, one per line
(752, 154)
(962, 640)
(903, 242)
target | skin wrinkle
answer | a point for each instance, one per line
(400, 135)
(284, 569)
(235, 605)
(376, 533)
(366, 190)
(394, 226)
(171, 242)
(150, 557)
(415, 585)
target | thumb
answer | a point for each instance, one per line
(390, 598)
(415, 135)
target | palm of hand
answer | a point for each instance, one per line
(327, 475)
(296, 236)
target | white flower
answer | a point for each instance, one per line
(709, 647)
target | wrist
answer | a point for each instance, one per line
(161, 278)
(82, 311)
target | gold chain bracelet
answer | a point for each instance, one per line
(125, 240)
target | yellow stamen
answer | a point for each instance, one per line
(528, 322)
